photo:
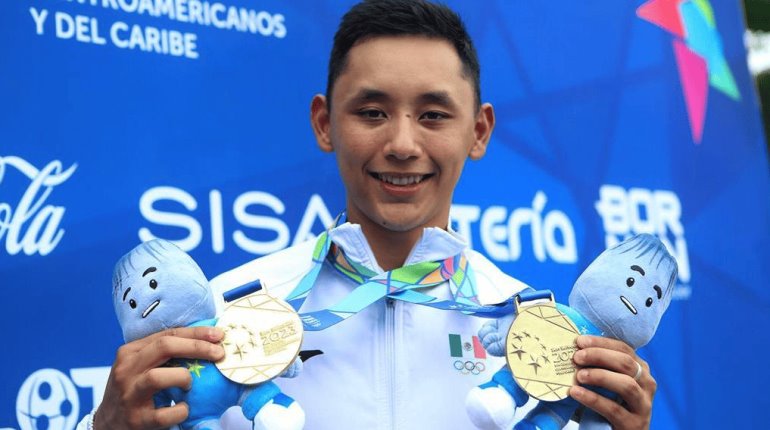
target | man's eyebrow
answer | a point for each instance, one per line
(441, 98)
(126, 293)
(638, 269)
(370, 95)
(149, 270)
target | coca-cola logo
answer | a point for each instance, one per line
(30, 225)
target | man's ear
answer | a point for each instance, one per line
(319, 120)
(485, 123)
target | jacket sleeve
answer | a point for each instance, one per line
(87, 423)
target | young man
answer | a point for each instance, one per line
(402, 113)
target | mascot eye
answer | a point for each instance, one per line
(648, 302)
(132, 303)
(153, 284)
(630, 282)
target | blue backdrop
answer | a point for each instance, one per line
(122, 120)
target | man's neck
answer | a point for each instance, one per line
(391, 245)
(390, 248)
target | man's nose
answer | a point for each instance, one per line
(404, 139)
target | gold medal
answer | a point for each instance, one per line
(263, 335)
(539, 349)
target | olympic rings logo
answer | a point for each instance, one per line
(466, 367)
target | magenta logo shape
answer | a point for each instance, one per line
(698, 51)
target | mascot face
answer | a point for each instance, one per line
(158, 286)
(625, 291)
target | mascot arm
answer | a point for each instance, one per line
(548, 415)
(493, 333)
(254, 398)
(293, 370)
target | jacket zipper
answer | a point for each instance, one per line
(390, 355)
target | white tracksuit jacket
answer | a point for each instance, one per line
(388, 367)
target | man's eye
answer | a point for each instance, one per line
(433, 116)
(371, 114)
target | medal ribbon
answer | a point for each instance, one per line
(398, 284)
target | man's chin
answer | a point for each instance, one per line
(401, 222)
(398, 218)
(399, 227)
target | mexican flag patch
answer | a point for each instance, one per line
(468, 346)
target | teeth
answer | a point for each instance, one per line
(401, 180)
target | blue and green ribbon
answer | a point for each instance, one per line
(399, 284)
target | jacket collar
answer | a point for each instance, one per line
(434, 244)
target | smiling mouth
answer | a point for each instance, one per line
(400, 180)
(150, 308)
(628, 305)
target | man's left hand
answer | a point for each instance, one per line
(613, 365)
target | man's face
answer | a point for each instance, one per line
(402, 124)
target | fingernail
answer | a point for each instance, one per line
(576, 391)
(582, 375)
(579, 356)
(583, 341)
(217, 351)
(216, 334)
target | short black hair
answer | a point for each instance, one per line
(373, 18)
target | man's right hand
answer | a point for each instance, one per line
(136, 376)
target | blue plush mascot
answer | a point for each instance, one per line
(622, 294)
(158, 286)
